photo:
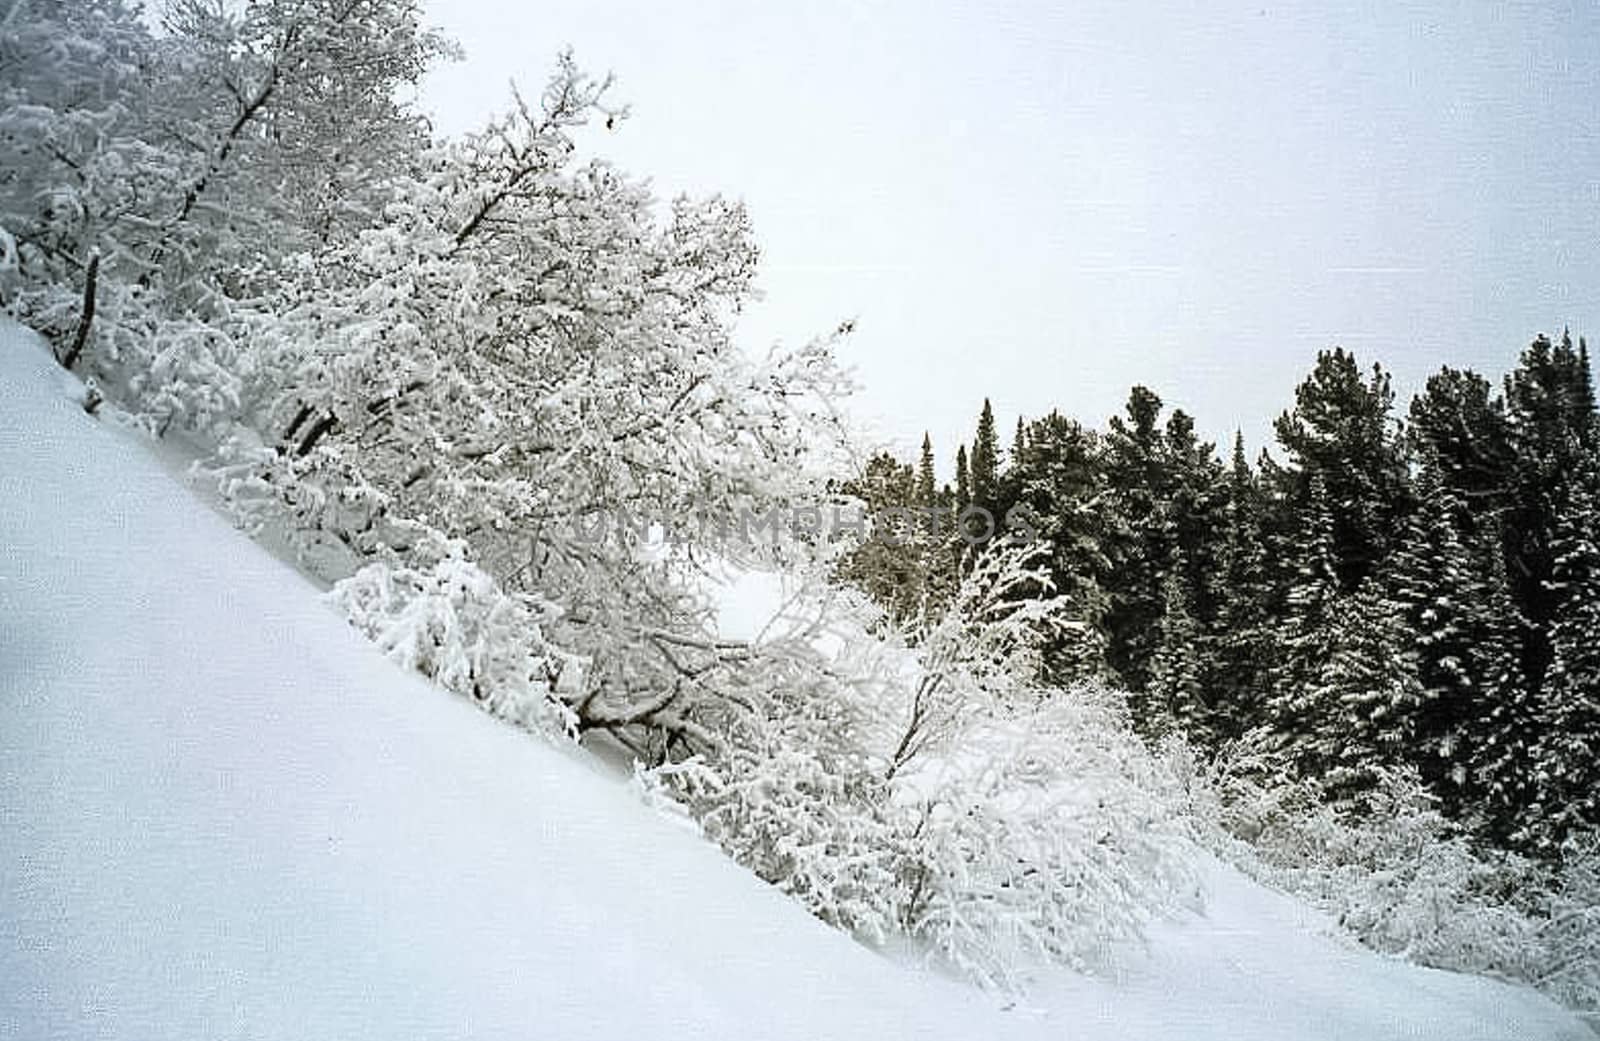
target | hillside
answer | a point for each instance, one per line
(223, 814)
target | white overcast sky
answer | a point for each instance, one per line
(1048, 202)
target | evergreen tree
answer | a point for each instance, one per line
(1548, 401)
(1058, 481)
(1459, 427)
(1197, 505)
(1450, 584)
(1363, 696)
(1240, 636)
(1297, 702)
(1141, 542)
(1585, 379)
(1177, 695)
(1569, 752)
(1501, 784)
(985, 460)
(887, 566)
(926, 494)
(963, 495)
(935, 533)
(1340, 431)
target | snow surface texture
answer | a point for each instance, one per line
(224, 815)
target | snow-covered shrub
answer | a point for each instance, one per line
(792, 787)
(1039, 825)
(818, 833)
(1405, 880)
(454, 624)
(1042, 835)
(1568, 930)
(939, 792)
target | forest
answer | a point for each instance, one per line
(1413, 589)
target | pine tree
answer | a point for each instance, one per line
(1449, 582)
(1177, 695)
(963, 496)
(1341, 430)
(926, 494)
(1364, 695)
(1240, 635)
(1297, 701)
(985, 461)
(1569, 752)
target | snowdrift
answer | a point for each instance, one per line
(223, 814)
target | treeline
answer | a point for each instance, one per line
(1416, 592)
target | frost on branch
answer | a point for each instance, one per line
(455, 625)
(1001, 824)
(1406, 881)
(1047, 836)
(1039, 828)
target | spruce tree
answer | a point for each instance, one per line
(1449, 582)
(1501, 783)
(1585, 379)
(1240, 636)
(1141, 542)
(1550, 416)
(963, 495)
(1297, 700)
(985, 460)
(926, 485)
(1177, 695)
(1569, 753)
(1059, 481)
(1458, 425)
(1196, 502)
(932, 544)
(1359, 704)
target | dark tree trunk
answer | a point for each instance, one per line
(86, 319)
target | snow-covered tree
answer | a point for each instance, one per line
(938, 788)
(1046, 834)
(1365, 696)
(1240, 634)
(1295, 711)
(454, 624)
(530, 357)
(1340, 431)
(1568, 755)
(1035, 825)
(1177, 694)
(1449, 580)
(166, 179)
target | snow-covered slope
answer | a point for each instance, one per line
(222, 815)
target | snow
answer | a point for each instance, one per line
(223, 814)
